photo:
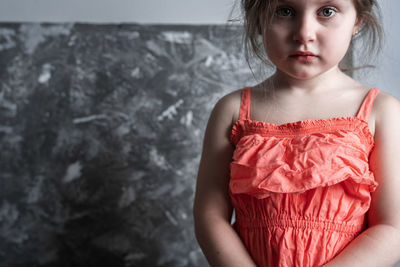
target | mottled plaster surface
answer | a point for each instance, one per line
(101, 128)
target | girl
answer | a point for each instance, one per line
(309, 157)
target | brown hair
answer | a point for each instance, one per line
(370, 34)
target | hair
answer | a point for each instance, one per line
(370, 34)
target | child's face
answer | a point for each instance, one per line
(322, 27)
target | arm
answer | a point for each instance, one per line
(379, 245)
(212, 208)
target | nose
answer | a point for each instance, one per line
(305, 29)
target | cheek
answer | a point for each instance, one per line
(339, 34)
(273, 49)
(279, 31)
(274, 39)
(336, 43)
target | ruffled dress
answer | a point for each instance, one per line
(300, 190)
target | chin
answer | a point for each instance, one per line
(305, 74)
(302, 75)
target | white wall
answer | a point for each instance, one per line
(387, 75)
(116, 11)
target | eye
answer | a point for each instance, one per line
(284, 11)
(328, 12)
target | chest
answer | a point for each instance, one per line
(290, 109)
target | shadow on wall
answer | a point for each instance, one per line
(100, 139)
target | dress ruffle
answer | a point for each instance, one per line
(262, 187)
(299, 127)
(264, 163)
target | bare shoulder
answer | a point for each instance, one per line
(228, 106)
(386, 113)
(386, 108)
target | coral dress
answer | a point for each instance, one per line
(301, 190)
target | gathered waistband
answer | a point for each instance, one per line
(302, 223)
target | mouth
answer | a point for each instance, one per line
(302, 53)
(303, 56)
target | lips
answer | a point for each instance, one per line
(302, 53)
(303, 56)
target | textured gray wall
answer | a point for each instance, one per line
(101, 130)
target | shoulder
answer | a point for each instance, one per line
(386, 113)
(228, 107)
(219, 125)
(386, 109)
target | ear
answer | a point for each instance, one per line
(357, 25)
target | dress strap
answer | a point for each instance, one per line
(244, 113)
(366, 106)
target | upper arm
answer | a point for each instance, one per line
(385, 162)
(212, 188)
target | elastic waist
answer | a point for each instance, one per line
(300, 223)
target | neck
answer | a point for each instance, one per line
(324, 82)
